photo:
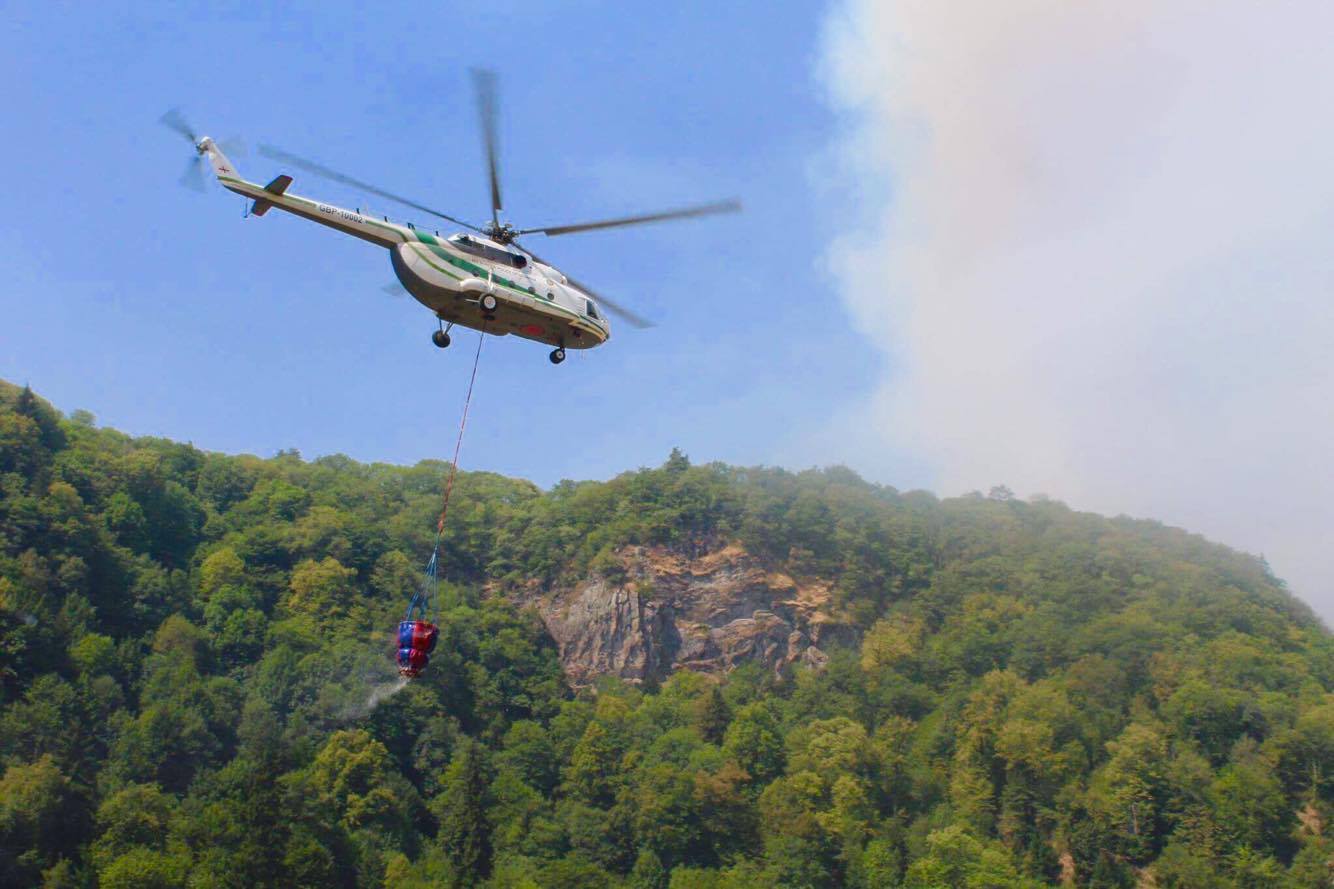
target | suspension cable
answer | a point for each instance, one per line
(426, 598)
(458, 443)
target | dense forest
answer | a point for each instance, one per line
(197, 680)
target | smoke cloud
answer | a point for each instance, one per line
(378, 694)
(1096, 250)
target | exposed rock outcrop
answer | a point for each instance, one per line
(671, 611)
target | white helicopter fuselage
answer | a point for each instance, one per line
(465, 279)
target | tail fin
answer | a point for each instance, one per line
(277, 186)
(222, 167)
(227, 175)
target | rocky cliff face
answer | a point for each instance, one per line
(671, 611)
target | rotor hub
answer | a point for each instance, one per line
(501, 232)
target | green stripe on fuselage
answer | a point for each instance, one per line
(477, 270)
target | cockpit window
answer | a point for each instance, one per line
(486, 251)
(592, 309)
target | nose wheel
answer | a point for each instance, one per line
(557, 356)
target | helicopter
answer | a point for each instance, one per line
(481, 278)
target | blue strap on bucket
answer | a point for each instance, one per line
(425, 599)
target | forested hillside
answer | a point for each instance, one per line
(190, 645)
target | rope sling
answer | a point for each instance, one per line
(425, 599)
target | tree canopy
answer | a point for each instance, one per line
(193, 646)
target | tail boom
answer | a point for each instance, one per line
(266, 197)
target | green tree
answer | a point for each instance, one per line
(755, 740)
(572, 871)
(667, 818)
(324, 589)
(94, 654)
(1249, 806)
(527, 748)
(956, 858)
(222, 568)
(461, 808)
(1126, 794)
(354, 778)
(714, 716)
(593, 772)
(648, 872)
(136, 816)
(145, 869)
(40, 819)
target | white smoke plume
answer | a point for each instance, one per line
(380, 694)
(1097, 251)
(363, 698)
(364, 683)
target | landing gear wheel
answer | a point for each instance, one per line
(488, 303)
(557, 356)
(441, 339)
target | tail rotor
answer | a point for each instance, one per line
(193, 177)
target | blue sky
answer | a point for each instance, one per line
(1022, 244)
(164, 312)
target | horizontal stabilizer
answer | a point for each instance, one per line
(277, 186)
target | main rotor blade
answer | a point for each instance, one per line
(729, 206)
(638, 321)
(484, 85)
(174, 120)
(610, 305)
(311, 166)
(620, 311)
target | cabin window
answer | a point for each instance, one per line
(592, 310)
(486, 251)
